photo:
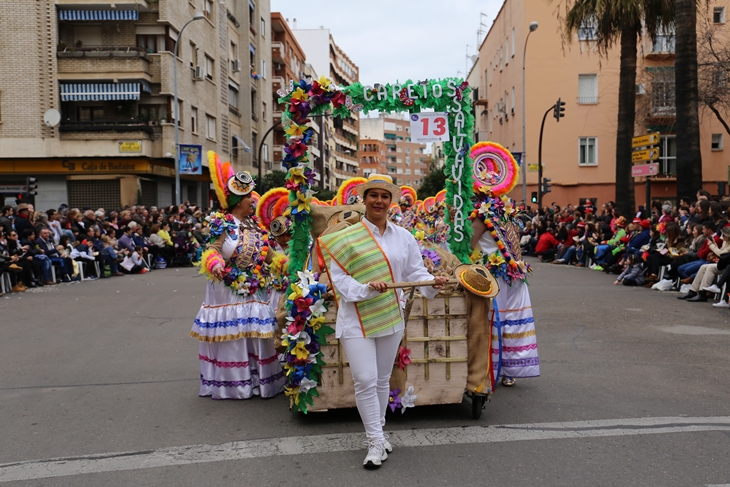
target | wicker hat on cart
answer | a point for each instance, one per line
(477, 279)
(230, 186)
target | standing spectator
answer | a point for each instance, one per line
(22, 219)
(6, 219)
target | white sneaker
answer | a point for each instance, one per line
(388, 447)
(712, 289)
(722, 304)
(376, 454)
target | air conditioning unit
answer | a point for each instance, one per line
(236, 65)
(640, 90)
(199, 73)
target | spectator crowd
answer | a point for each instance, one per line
(71, 244)
(683, 247)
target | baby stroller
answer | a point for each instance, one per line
(181, 254)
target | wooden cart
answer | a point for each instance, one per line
(436, 335)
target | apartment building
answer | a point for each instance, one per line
(372, 157)
(579, 152)
(407, 162)
(107, 69)
(327, 58)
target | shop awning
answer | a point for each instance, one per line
(96, 15)
(99, 91)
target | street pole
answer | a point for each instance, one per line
(539, 160)
(197, 16)
(533, 27)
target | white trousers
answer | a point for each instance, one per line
(371, 363)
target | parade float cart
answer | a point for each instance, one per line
(436, 330)
(436, 335)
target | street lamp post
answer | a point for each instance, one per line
(533, 28)
(197, 16)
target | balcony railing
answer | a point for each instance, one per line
(101, 51)
(107, 126)
(587, 100)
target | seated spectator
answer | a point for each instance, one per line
(45, 244)
(663, 254)
(6, 222)
(22, 219)
(10, 264)
(160, 247)
(640, 238)
(633, 273)
(25, 258)
(125, 242)
(135, 263)
(688, 270)
(707, 273)
(604, 251)
(547, 246)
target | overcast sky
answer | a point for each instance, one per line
(393, 40)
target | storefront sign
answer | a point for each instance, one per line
(84, 166)
(130, 147)
(191, 159)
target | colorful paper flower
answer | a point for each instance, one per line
(408, 400)
(404, 357)
(394, 402)
(305, 385)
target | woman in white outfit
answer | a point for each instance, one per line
(362, 259)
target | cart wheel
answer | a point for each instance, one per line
(477, 402)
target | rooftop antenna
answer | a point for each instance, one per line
(466, 63)
(482, 16)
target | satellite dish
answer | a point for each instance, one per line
(474, 58)
(52, 118)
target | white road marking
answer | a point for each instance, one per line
(299, 445)
(693, 330)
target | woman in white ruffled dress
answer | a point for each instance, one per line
(235, 324)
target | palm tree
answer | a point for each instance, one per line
(620, 21)
(689, 157)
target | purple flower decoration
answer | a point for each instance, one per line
(394, 400)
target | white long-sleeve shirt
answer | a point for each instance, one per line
(407, 265)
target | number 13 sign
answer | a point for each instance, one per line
(429, 127)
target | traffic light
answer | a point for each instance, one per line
(558, 110)
(534, 197)
(31, 186)
(547, 185)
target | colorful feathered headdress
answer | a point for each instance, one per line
(347, 194)
(408, 197)
(230, 186)
(272, 204)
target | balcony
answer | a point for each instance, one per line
(662, 48)
(481, 97)
(131, 125)
(103, 62)
(143, 5)
(277, 52)
(587, 100)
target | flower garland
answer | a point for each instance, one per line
(500, 263)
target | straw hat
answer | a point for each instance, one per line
(477, 279)
(380, 181)
(279, 226)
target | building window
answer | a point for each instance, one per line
(718, 15)
(234, 146)
(668, 155)
(588, 30)
(174, 114)
(506, 51)
(265, 152)
(587, 89)
(254, 107)
(263, 27)
(90, 114)
(664, 41)
(194, 120)
(209, 65)
(513, 98)
(716, 141)
(233, 55)
(233, 97)
(663, 94)
(263, 110)
(208, 9)
(254, 148)
(588, 151)
(263, 68)
(251, 12)
(210, 127)
(193, 54)
(513, 42)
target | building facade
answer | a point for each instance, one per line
(107, 69)
(327, 58)
(407, 162)
(578, 153)
(372, 157)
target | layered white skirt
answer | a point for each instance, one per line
(514, 343)
(236, 351)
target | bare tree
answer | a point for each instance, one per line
(713, 54)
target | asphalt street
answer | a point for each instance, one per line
(100, 380)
